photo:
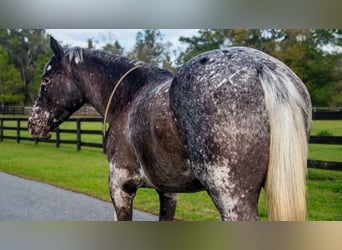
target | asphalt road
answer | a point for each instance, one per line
(26, 200)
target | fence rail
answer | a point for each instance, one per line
(80, 142)
(327, 115)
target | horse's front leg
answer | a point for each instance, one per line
(168, 202)
(122, 190)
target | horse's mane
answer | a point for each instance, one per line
(77, 54)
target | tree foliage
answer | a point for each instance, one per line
(9, 81)
(23, 47)
(114, 48)
(111, 44)
(150, 48)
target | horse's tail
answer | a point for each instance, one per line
(289, 110)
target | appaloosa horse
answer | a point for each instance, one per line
(230, 122)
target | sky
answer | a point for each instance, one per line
(126, 37)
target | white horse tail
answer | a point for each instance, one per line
(289, 109)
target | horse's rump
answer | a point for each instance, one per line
(219, 101)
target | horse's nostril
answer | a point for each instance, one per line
(30, 127)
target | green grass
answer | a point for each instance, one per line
(333, 126)
(324, 195)
(326, 152)
(81, 171)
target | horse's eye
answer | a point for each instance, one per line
(45, 81)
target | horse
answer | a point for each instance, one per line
(231, 121)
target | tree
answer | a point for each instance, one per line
(40, 62)
(206, 40)
(9, 81)
(23, 47)
(167, 61)
(114, 48)
(150, 48)
(90, 43)
(304, 52)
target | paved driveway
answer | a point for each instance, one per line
(25, 200)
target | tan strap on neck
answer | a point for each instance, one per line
(111, 96)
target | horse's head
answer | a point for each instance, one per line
(58, 96)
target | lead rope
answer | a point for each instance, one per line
(111, 97)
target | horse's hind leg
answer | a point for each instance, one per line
(168, 202)
(234, 201)
(232, 208)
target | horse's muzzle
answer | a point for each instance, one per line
(38, 129)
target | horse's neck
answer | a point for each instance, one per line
(98, 85)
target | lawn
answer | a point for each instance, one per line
(333, 127)
(86, 171)
(326, 152)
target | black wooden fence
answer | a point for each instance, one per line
(21, 125)
(337, 140)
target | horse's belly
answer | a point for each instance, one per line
(157, 145)
(164, 160)
(171, 177)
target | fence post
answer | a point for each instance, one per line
(78, 133)
(18, 130)
(103, 139)
(1, 130)
(58, 138)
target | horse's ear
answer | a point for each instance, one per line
(56, 47)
